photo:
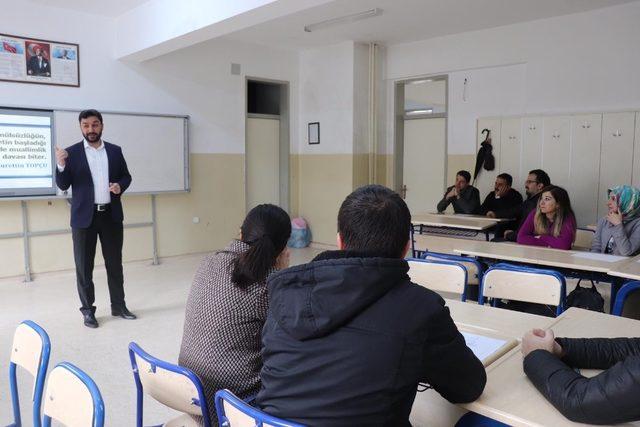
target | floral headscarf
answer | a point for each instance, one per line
(628, 199)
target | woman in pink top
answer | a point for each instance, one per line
(552, 224)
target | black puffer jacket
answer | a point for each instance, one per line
(613, 396)
(347, 339)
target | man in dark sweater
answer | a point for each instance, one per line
(500, 202)
(464, 196)
(348, 337)
(536, 181)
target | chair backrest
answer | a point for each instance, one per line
(473, 266)
(30, 350)
(72, 398)
(439, 275)
(514, 282)
(622, 295)
(172, 385)
(234, 412)
(584, 238)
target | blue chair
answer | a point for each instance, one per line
(515, 282)
(439, 275)
(172, 385)
(30, 350)
(72, 398)
(622, 296)
(234, 412)
(475, 269)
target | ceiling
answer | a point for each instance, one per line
(108, 8)
(407, 20)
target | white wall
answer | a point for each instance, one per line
(581, 62)
(326, 96)
(196, 81)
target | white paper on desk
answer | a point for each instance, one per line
(599, 257)
(481, 345)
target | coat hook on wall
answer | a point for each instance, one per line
(464, 89)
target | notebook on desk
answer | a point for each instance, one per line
(487, 346)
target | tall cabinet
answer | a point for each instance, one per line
(584, 153)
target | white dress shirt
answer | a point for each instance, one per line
(99, 167)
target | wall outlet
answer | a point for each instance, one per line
(196, 219)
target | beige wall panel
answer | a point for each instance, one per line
(53, 253)
(382, 174)
(216, 197)
(12, 253)
(457, 162)
(136, 208)
(360, 170)
(294, 187)
(325, 180)
(48, 215)
(11, 215)
(138, 244)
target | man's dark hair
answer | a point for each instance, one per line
(507, 178)
(89, 113)
(375, 219)
(465, 174)
(541, 177)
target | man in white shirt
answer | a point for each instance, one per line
(98, 174)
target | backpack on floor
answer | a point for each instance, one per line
(587, 298)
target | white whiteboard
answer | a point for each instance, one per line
(155, 147)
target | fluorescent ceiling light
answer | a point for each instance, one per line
(347, 19)
(415, 112)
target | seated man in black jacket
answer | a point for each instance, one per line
(611, 397)
(464, 197)
(501, 201)
(348, 337)
(536, 181)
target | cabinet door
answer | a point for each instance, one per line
(486, 179)
(511, 150)
(636, 154)
(556, 149)
(584, 173)
(616, 154)
(531, 147)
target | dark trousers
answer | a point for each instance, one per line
(84, 253)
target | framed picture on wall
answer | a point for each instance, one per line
(48, 62)
(314, 133)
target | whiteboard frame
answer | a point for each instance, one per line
(187, 160)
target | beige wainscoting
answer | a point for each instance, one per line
(216, 198)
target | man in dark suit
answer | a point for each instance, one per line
(98, 175)
(38, 65)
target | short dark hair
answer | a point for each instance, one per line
(375, 219)
(465, 174)
(541, 177)
(507, 178)
(85, 114)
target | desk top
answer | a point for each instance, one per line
(454, 221)
(478, 318)
(455, 215)
(628, 270)
(578, 260)
(509, 395)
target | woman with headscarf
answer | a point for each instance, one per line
(619, 232)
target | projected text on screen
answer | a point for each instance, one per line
(25, 154)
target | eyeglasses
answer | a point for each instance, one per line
(529, 181)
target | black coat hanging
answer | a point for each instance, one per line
(485, 156)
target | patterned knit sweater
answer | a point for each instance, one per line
(221, 341)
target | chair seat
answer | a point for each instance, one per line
(184, 420)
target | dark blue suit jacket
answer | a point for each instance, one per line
(77, 174)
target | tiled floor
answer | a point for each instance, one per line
(157, 294)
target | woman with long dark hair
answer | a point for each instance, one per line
(227, 306)
(552, 223)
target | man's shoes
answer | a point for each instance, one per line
(90, 321)
(123, 312)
